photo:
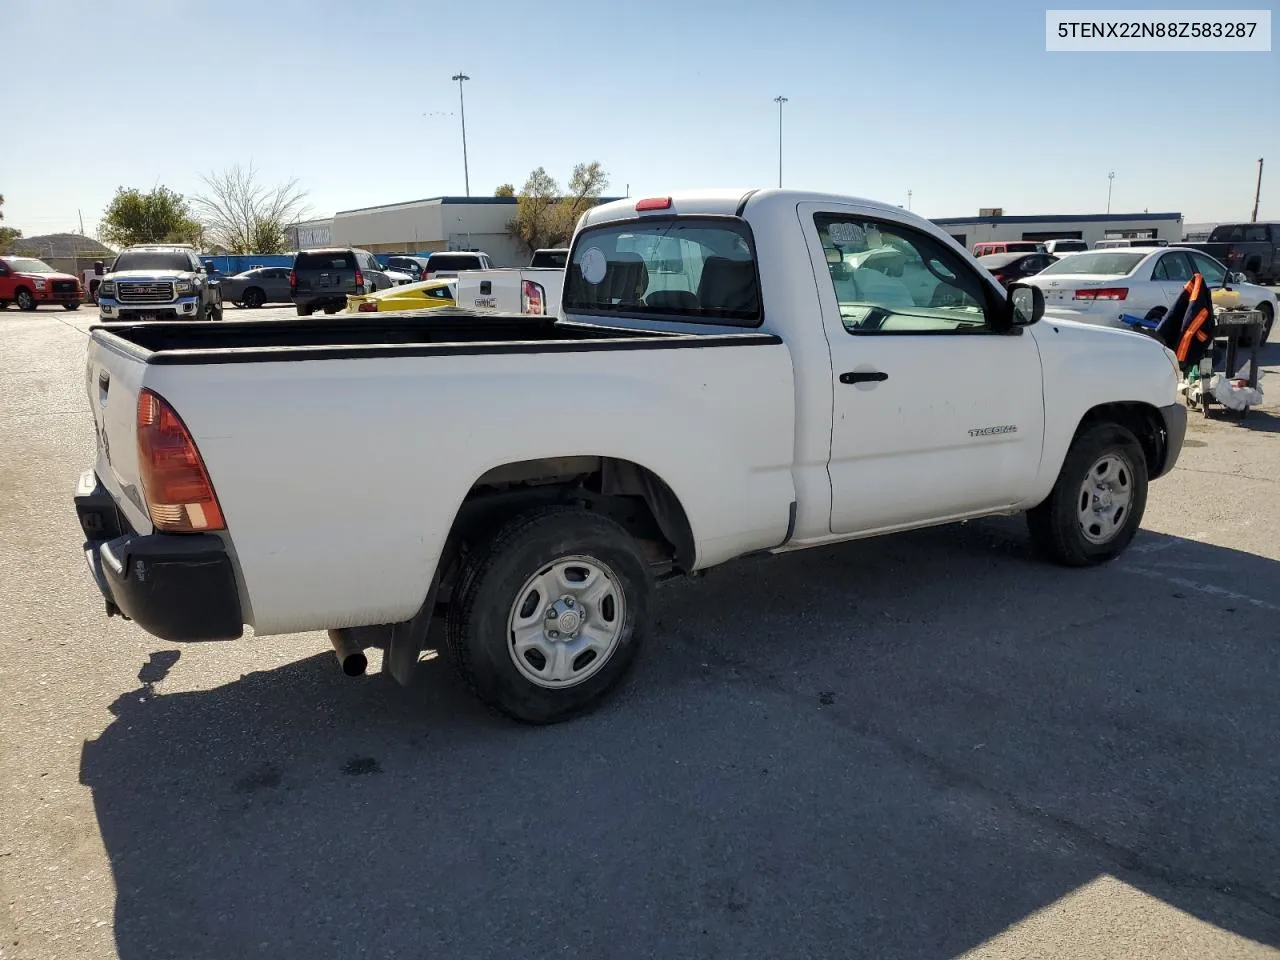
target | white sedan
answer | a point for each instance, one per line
(1100, 285)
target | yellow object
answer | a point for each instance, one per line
(411, 296)
(1226, 299)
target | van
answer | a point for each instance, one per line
(1115, 244)
(1058, 248)
(1007, 246)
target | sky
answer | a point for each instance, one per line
(955, 101)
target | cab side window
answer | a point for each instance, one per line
(891, 279)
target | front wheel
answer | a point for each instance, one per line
(25, 300)
(1096, 506)
(549, 613)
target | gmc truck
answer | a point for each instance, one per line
(158, 281)
(1249, 248)
(728, 375)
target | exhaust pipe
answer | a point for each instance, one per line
(349, 652)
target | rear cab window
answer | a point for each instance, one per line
(325, 260)
(700, 269)
(454, 262)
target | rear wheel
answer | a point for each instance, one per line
(1096, 506)
(71, 306)
(25, 300)
(304, 311)
(254, 298)
(548, 613)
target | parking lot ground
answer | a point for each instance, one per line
(929, 746)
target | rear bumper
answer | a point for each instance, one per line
(1174, 417)
(178, 587)
(314, 300)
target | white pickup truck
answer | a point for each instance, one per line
(534, 289)
(731, 373)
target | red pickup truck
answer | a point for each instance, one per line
(29, 282)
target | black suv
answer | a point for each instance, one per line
(323, 279)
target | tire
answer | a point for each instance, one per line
(511, 577)
(331, 310)
(25, 300)
(1068, 529)
(71, 306)
(215, 311)
(254, 298)
(1246, 339)
(304, 311)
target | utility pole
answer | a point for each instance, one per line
(1110, 178)
(462, 107)
(81, 216)
(1257, 193)
(779, 100)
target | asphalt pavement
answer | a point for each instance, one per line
(927, 746)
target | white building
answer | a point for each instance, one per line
(1090, 227)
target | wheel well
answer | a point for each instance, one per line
(1142, 420)
(631, 495)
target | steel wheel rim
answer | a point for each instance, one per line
(1105, 498)
(566, 622)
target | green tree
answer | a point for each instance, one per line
(505, 190)
(534, 223)
(244, 215)
(585, 186)
(547, 218)
(7, 234)
(157, 216)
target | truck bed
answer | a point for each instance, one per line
(412, 333)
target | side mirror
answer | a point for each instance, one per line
(1025, 304)
(1237, 278)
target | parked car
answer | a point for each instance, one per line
(677, 424)
(1007, 246)
(415, 267)
(1126, 243)
(555, 257)
(256, 287)
(1098, 286)
(1010, 267)
(322, 279)
(159, 281)
(29, 282)
(1058, 248)
(441, 266)
(1250, 248)
(530, 290)
(427, 295)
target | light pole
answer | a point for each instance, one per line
(908, 200)
(779, 100)
(1110, 179)
(462, 107)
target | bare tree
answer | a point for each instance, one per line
(243, 215)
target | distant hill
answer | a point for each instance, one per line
(62, 246)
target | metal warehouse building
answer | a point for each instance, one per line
(1090, 227)
(422, 226)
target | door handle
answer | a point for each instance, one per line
(863, 376)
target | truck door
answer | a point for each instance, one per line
(934, 416)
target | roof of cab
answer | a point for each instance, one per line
(728, 203)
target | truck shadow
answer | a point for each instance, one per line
(890, 749)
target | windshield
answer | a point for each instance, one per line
(550, 258)
(1097, 264)
(690, 268)
(151, 260)
(27, 265)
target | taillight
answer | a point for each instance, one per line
(359, 278)
(180, 498)
(653, 203)
(367, 306)
(534, 297)
(293, 279)
(1102, 293)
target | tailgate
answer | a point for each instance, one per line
(489, 290)
(113, 379)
